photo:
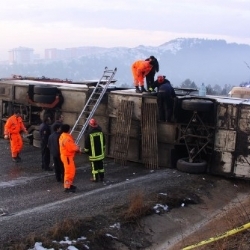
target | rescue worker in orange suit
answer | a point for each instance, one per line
(165, 98)
(139, 70)
(12, 129)
(150, 77)
(68, 148)
(95, 148)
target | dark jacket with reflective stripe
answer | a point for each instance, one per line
(95, 144)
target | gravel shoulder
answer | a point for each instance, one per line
(34, 203)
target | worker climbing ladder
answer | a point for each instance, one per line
(92, 103)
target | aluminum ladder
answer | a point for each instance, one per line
(92, 103)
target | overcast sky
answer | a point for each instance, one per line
(112, 23)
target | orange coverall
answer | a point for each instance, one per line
(139, 70)
(68, 148)
(13, 126)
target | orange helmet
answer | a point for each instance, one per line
(93, 123)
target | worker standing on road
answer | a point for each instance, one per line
(165, 99)
(95, 148)
(44, 130)
(13, 126)
(139, 70)
(68, 148)
(53, 144)
(150, 77)
(59, 120)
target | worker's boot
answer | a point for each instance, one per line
(137, 90)
(143, 89)
(14, 159)
(18, 158)
(72, 187)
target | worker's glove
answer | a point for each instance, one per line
(82, 151)
(6, 137)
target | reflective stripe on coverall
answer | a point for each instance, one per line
(68, 148)
(14, 125)
(95, 156)
(139, 70)
(96, 153)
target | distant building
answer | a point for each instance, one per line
(21, 55)
(51, 54)
(54, 54)
(70, 53)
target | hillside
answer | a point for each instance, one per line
(209, 61)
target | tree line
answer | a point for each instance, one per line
(212, 90)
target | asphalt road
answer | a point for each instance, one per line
(32, 200)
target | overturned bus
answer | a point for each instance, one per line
(209, 134)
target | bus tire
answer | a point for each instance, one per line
(36, 134)
(44, 98)
(197, 105)
(45, 90)
(191, 167)
(36, 143)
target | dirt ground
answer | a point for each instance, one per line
(135, 208)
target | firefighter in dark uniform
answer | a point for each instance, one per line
(150, 77)
(53, 145)
(95, 148)
(44, 130)
(165, 98)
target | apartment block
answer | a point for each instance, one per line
(21, 55)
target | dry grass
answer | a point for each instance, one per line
(69, 227)
(95, 228)
(235, 217)
(137, 208)
(73, 229)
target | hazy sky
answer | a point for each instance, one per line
(112, 23)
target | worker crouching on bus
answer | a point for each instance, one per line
(95, 148)
(12, 129)
(68, 148)
(139, 70)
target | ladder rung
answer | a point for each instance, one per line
(93, 102)
(78, 131)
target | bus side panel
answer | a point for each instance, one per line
(242, 164)
(222, 162)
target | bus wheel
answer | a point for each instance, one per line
(197, 105)
(191, 167)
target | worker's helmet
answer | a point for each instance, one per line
(160, 79)
(93, 123)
